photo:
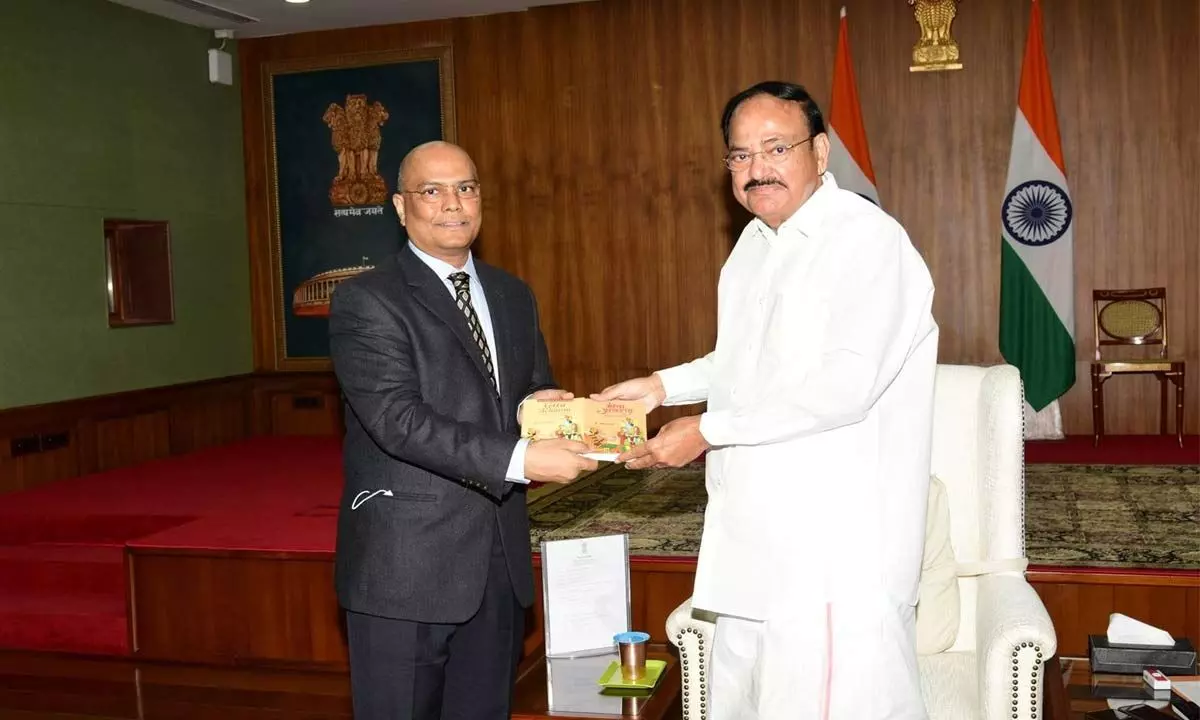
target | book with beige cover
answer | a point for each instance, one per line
(608, 428)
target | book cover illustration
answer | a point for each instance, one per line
(608, 428)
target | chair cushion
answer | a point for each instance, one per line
(950, 685)
(937, 601)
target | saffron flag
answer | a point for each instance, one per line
(1037, 274)
(849, 158)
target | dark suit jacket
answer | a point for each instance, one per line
(428, 442)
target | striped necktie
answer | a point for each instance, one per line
(462, 296)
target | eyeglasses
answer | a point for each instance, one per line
(773, 153)
(435, 192)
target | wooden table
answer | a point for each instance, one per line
(531, 697)
(1081, 692)
(1054, 692)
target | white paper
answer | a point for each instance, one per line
(573, 685)
(1124, 630)
(585, 586)
(1189, 689)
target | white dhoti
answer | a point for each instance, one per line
(847, 661)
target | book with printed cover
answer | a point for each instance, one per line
(608, 428)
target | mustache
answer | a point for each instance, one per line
(762, 183)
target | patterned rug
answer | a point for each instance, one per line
(1121, 516)
(662, 510)
(1128, 516)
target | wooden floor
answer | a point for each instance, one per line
(45, 687)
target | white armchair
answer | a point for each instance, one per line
(994, 669)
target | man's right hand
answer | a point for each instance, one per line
(557, 461)
(648, 390)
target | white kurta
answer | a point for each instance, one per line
(820, 403)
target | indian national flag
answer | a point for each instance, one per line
(849, 159)
(1037, 284)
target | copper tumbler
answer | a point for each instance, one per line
(631, 706)
(631, 647)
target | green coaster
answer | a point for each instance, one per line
(612, 676)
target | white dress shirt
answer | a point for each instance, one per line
(820, 404)
(443, 269)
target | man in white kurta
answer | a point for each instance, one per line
(818, 426)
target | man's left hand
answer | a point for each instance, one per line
(678, 443)
(550, 394)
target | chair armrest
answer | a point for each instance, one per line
(692, 633)
(1015, 638)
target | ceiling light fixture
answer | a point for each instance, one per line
(297, 2)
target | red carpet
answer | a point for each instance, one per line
(62, 574)
(1115, 450)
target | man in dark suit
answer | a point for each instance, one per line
(435, 351)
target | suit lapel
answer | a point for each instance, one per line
(429, 290)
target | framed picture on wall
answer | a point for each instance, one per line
(337, 129)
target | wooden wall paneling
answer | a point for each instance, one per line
(211, 419)
(165, 588)
(111, 431)
(297, 404)
(304, 414)
(535, 616)
(30, 471)
(1192, 611)
(55, 455)
(46, 684)
(595, 129)
(1171, 610)
(1079, 604)
(939, 145)
(53, 417)
(1076, 611)
(280, 610)
(312, 625)
(9, 481)
(1129, 170)
(662, 590)
(132, 439)
(262, 610)
(46, 467)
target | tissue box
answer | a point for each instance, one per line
(1109, 657)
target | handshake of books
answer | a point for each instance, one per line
(608, 428)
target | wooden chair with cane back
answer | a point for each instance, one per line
(1134, 317)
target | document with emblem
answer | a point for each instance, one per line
(585, 593)
(608, 428)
